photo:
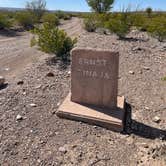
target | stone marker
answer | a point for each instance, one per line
(95, 77)
(94, 89)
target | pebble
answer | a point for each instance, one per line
(19, 117)
(32, 105)
(156, 119)
(38, 86)
(131, 72)
(2, 80)
(63, 149)
(58, 104)
(146, 68)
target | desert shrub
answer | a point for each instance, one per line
(139, 21)
(52, 40)
(60, 14)
(37, 8)
(157, 28)
(50, 18)
(63, 15)
(149, 11)
(163, 79)
(119, 25)
(67, 17)
(5, 22)
(25, 19)
(90, 23)
(100, 6)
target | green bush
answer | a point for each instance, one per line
(52, 40)
(157, 28)
(149, 11)
(5, 22)
(50, 18)
(119, 25)
(138, 20)
(25, 19)
(63, 15)
(91, 23)
(67, 17)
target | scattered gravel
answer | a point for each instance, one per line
(42, 138)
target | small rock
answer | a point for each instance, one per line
(69, 72)
(2, 81)
(58, 104)
(140, 72)
(145, 145)
(63, 149)
(21, 82)
(146, 68)
(32, 105)
(7, 69)
(24, 93)
(50, 74)
(137, 49)
(131, 72)
(19, 117)
(147, 108)
(156, 119)
(38, 87)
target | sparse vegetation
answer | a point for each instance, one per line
(149, 11)
(100, 6)
(119, 25)
(157, 28)
(5, 21)
(62, 15)
(163, 79)
(90, 23)
(37, 9)
(25, 19)
(52, 40)
(50, 18)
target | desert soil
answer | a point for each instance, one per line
(32, 134)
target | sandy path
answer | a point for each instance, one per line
(73, 27)
(16, 53)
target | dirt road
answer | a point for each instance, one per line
(16, 53)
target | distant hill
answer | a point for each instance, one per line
(22, 9)
(11, 9)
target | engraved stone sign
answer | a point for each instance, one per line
(94, 89)
(95, 77)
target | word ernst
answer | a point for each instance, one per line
(94, 62)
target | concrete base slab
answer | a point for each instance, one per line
(111, 119)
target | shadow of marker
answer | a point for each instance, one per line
(3, 86)
(140, 129)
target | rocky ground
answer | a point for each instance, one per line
(31, 133)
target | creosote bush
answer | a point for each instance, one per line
(25, 19)
(63, 15)
(52, 40)
(51, 19)
(119, 25)
(5, 21)
(157, 28)
(92, 22)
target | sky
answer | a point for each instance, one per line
(81, 5)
